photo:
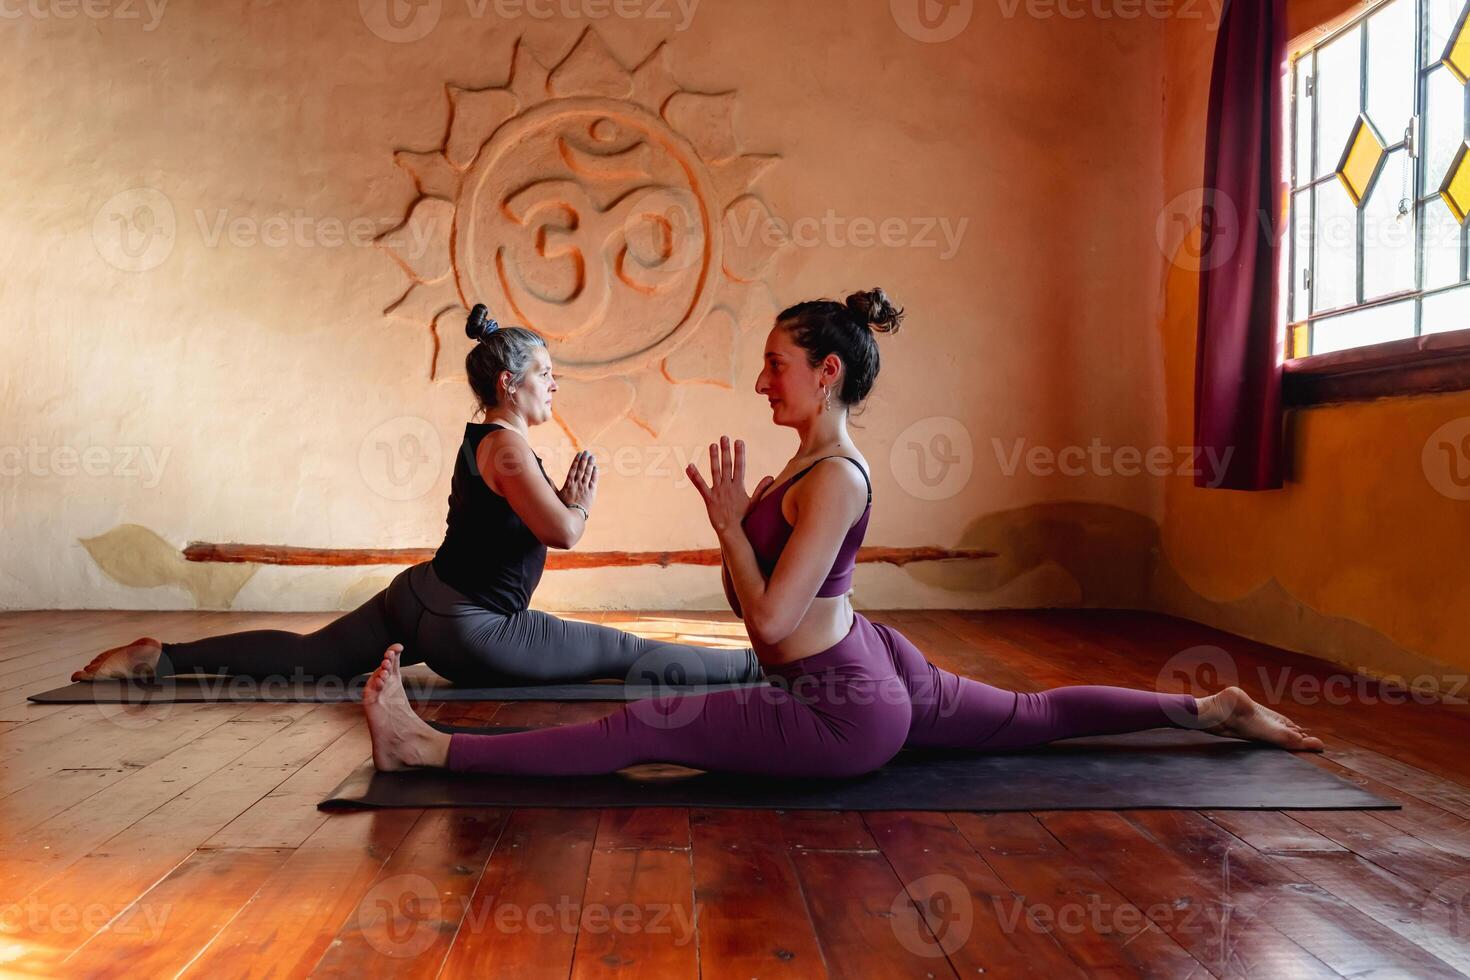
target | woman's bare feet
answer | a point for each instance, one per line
(401, 739)
(137, 659)
(1232, 712)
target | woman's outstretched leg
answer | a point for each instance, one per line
(533, 647)
(951, 711)
(847, 728)
(348, 646)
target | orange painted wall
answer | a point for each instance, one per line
(1370, 557)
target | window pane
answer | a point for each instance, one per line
(1441, 245)
(1335, 278)
(1301, 242)
(1391, 75)
(1339, 65)
(1442, 17)
(1447, 311)
(1444, 126)
(1388, 237)
(1371, 326)
(1304, 108)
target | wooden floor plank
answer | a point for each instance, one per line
(522, 919)
(1399, 853)
(977, 922)
(1448, 831)
(1063, 899)
(868, 927)
(638, 914)
(1333, 931)
(159, 934)
(753, 919)
(1213, 916)
(34, 856)
(407, 919)
(294, 915)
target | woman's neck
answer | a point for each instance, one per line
(822, 433)
(509, 419)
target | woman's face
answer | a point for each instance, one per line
(790, 383)
(533, 394)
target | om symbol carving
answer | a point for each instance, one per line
(585, 220)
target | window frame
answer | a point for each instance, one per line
(1414, 365)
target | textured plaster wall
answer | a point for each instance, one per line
(203, 341)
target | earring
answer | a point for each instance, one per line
(826, 398)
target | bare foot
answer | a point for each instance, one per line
(401, 739)
(137, 659)
(1233, 713)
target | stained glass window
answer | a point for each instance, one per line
(1380, 177)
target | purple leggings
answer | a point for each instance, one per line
(842, 712)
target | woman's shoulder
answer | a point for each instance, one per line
(855, 469)
(502, 451)
(829, 475)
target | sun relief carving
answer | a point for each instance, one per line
(608, 209)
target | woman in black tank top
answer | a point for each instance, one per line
(465, 613)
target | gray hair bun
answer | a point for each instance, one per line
(480, 324)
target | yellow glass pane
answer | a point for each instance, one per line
(1361, 161)
(1457, 52)
(1299, 344)
(1456, 187)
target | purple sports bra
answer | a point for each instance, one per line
(768, 531)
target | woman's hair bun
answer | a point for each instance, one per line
(873, 309)
(480, 323)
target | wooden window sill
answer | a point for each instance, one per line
(1436, 362)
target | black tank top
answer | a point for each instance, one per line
(488, 553)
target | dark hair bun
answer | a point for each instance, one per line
(480, 324)
(874, 310)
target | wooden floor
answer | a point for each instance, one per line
(185, 840)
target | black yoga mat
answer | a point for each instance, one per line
(1164, 769)
(420, 683)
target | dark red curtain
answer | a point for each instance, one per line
(1237, 408)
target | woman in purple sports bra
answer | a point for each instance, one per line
(845, 694)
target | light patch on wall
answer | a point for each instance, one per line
(1270, 614)
(132, 555)
(1064, 553)
(609, 210)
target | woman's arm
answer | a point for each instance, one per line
(508, 467)
(730, 596)
(773, 609)
(755, 496)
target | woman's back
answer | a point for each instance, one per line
(488, 552)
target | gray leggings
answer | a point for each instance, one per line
(462, 641)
